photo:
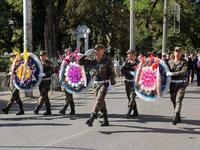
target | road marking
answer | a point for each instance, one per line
(66, 138)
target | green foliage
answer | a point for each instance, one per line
(10, 26)
(108, 21)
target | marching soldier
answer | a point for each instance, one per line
(44, 86)
(15, 97)
(69, 101)
(128, 70)
(104, 73)
(178, 68)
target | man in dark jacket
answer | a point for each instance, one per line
(128, 70)
(44, 86)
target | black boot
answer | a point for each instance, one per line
(37, 109)
(135, 114)
(128, 115)
(64, 108)
(177, 119)
(21, 110)
(7, 108)
(72, 106)
(105, 122)
(89, 122)
(48, 109)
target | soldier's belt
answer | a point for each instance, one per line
(101, 82)
(178, 81)
(46, 79)
(129, 80)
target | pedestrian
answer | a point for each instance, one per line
(191, 68)
(197, 67)
(44, 86)
(128, 69)
(178, 73)
(103, 74)
(15, 97)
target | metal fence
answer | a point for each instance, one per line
(5, 82)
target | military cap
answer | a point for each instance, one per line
(99, 46)
(130, 52)
(179, 49)
(43, 53)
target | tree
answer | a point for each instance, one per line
(54, 12)
(10, 27)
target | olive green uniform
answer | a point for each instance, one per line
(15, 97)
(44, 88)
(178, 83)
(103, 74)
(126, 68)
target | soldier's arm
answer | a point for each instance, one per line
(182, 72)
(86, 62)
(111, 73)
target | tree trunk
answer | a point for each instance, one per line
(54, 12)
(50, 29)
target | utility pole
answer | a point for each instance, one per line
(27, 24)
(165, 24)
(132, 26)
(27, 21)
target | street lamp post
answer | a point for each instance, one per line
(132, 26)
(27, 23)
(165, 23)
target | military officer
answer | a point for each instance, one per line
(69, 101)
(15, 97)
(104, 73)
(44, 86)
(128, 70)
(178, 73)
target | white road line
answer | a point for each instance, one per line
(66, 138)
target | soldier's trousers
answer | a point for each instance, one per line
(177, 92)
(16, 97)
(100, 93)
(130, 92)
(69, 97)
(44, 88)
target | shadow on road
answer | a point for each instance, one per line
(152, 118)
(138, 129)
(43, 147)
(31, 124)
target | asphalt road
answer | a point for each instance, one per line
(152, 130)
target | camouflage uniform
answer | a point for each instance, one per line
(104, 73)
(44, 88)
(178, 85)
(68, 101)
(15, 97)
(126, 68)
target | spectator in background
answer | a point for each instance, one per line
(197, 67)
(191, 68)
